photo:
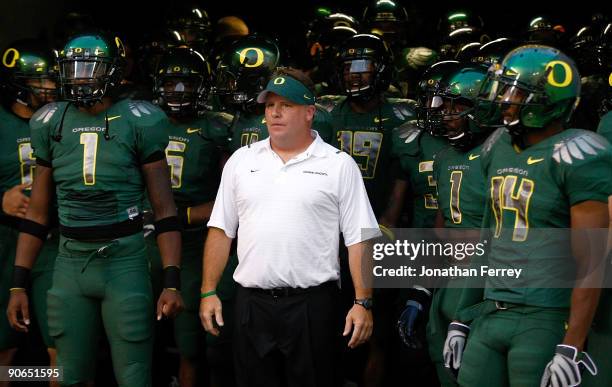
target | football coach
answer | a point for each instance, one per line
(287, 198)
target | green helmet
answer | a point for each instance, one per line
(29, 74)
(182, 81)
(452, 105)
(426, 89)
(90, 66)
(244, 70)
(541, 81)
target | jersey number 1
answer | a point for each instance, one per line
(90, 152)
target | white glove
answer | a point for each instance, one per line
(454, 346)
(564, 370)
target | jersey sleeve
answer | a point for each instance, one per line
(585, 163)
(323, 124)
(151, 131)
(40, 132)
(605, 127)
(218, 131)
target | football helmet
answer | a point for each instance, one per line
(388, 19)
(534, 85)
(244, 70)
(364, 67)
(428, 86)
(90, 66)
(29, 73)
(182, 82)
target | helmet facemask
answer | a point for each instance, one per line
(181, 95)
(360, 78)
(85, 81)
(35, 91)
(240, 89)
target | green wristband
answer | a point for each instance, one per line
(208, 294)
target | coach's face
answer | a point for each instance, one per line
(286, 119)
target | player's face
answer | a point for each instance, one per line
(357, 74)
(285, 118)
(453, 120)
(43, 91)
(511, 100)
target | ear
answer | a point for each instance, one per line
(310, 112)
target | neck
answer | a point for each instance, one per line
(22, 111)
(98, 107)
(365, 106)
(532, 138)
(286, 149)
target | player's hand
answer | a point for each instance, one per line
(18, 310)
(170, 303)
(454, 346)
(565, 368)
(14, 202)
(408, 322)
(210, 308)
(360, 320)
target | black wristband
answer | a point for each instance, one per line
(153, 157)
(168, 224)
(172, 278)
(21, 277)
(35, 229)
(43, 163)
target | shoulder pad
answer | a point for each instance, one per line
(487, 145)
(579, 145)
(143, 108)
(219, 118)
(403, 108)
(408, 132)
(329, 102)
(45, 113)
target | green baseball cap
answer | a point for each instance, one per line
(290, 88)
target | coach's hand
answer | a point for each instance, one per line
(210, 307)
(18, 311)
(360, 320)
(170, 303)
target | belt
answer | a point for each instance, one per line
(288, 292)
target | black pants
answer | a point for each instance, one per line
(289, 340)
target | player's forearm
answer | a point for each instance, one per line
(356, 254)
(216, 254)
(199, 214)
(583, 306)
(158, 186)
(28, 247)
(392, 213)
(169, 244)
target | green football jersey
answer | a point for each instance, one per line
(533, 190)
(417, 150)
(368, 138)
(98, 181)
(461, 187)
(605, 126)
(248, 128)
(17, 162)
(193, 154)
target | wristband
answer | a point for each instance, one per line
(168, 224)
(208, 294)
(21, 277)
(172, 278)
(34, 228)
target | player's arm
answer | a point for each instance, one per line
(167, 227)
(33, 233)
(196, 215)
(585, 215)
(391, 215)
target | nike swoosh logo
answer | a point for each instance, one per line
(254, 170)
(533, 161)
(379, 120)
(307, 97)
(113, 118)
(191, 130)
(473, 157)
(263, 120)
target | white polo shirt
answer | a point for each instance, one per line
(289, 216)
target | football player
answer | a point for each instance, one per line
(29, 81)
(540, 176)
(196, 141)
(98, 156)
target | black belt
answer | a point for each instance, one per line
(106, 232)
(288, 292)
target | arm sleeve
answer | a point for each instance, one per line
(225, 214)
(357, 220)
